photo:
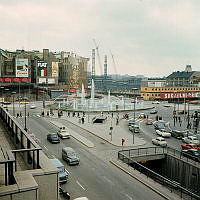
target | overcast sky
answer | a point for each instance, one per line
(146, 37)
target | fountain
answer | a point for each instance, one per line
(104, 103)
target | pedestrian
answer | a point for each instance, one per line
(17, 115)
(82, 120)
(112, 114)
(78, 114)
(179, 119)
(156, 117)
(68, 114)
(20, 114)
(79, 120)
(176, 118)
(47, 113)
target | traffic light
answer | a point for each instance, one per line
(123, 140)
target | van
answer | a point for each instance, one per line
(63, 175)
(69, 155)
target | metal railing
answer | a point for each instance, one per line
(127, 156)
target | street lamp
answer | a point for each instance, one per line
(25, 119)
(13, 93)
(134, 89)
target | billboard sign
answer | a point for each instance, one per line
(42, 81)
(179, 95)
(42, 68)
(21, 67)
(54, 69)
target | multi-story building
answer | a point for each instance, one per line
(178, 86)
(43, 69)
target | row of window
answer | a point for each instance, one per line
(175, 89)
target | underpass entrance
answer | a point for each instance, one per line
(166, 166)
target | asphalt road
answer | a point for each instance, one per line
(94, 177)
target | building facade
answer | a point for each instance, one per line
(181, 86)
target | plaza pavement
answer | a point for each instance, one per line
(102, 130)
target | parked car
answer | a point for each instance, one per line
(192, 154)
(131, 122)
(155, 102)
(178, 134)
(53, 138)
(159, 141)
(153, 111)
(134, 128)
(70, 156)
(190, 140)
(33, 106)
(149, 122)
(63, 133)
(159, 126)
(163, 133)
(190, 146)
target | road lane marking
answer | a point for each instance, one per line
(128, 197)
(45, 148)
(80, 185)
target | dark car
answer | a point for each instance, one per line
(53, 138)
(179, 134)
(153, 111)
(192, 154)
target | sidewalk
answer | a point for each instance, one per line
(103, 131)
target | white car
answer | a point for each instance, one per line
(163, 133)
(191, 140)
(155, 102)
(63, 133)
(159, 141)
(33, 106)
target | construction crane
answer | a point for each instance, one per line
(114, 64)
(99, 60)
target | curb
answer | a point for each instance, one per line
(135, 177)
(101, 137)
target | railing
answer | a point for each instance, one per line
(27, 148)
(127, 157)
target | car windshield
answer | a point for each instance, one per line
(72, 154)
(162, 140)
(54, 136)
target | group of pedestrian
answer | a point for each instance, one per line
(158, 118)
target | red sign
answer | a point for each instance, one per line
(72, 90)
(16, 80)
(179, 95)
(25, 80)
(1, 80)
(7, 80)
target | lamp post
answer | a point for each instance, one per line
(43, 96)
(25, 128)
(13, 93)
(188, 116)
(2, 94)
(134, 89)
